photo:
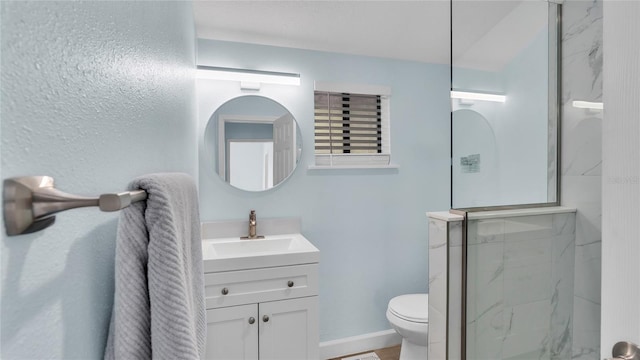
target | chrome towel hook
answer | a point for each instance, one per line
(29, 203)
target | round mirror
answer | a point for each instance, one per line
(254, 142)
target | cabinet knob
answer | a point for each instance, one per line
(225, 291)
(265, 318)
(290, 283)
(252, 320)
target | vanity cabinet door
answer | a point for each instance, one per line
(232, 333)
(289, 329)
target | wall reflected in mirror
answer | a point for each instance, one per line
(515, 57)
(476, 158)
(254, 142)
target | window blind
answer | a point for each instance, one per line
(347, 123)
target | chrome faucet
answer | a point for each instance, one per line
(252, 227)
(252, 224)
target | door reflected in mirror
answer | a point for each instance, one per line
(254, 142)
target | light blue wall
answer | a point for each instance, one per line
(252, 105)
(248, 131)
(369, 225)
(93, 94)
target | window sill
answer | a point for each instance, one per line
(352, 167)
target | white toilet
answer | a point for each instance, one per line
(409, 317)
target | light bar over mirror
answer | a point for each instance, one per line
(247, 75)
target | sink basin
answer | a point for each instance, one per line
(224, 254)
(240, 248)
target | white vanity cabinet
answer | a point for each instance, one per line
(266, 313)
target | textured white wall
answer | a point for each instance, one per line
(621, 175)
(93, 94)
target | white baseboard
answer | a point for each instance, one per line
(356, 344)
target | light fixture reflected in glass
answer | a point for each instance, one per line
(468, 95)
(588, 105)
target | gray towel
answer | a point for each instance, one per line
(158, 309)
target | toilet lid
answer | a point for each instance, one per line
(412, 307)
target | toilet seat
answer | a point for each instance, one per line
(412, 307)
(408, 316)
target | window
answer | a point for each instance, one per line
(351, 125)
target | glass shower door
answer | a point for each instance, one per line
(518, 269)
(504, 87)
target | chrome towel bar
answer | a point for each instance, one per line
(29, 203)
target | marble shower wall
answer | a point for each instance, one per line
(520, 287)
(445, 285)
(582, 163)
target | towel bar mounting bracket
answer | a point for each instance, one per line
(29, 202)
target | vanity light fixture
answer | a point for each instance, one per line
(468, 95)
(251, 79)
(588, 105)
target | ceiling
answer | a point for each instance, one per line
(415, 30)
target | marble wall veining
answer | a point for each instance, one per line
(445, 285)
(437, 288)
(581, 174)
(520, 287)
